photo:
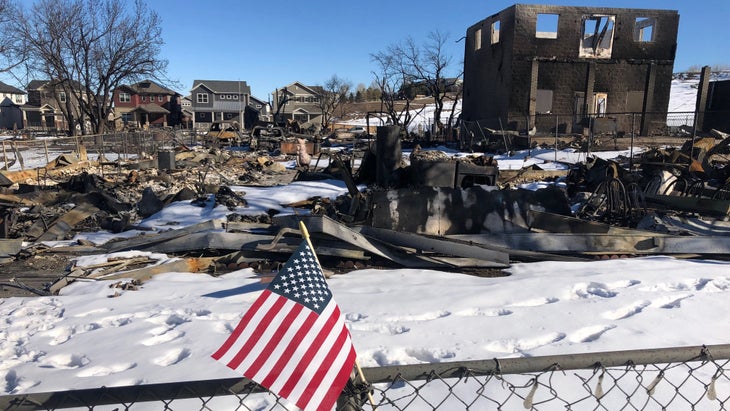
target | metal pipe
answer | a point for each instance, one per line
(545, 363)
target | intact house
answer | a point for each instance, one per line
(300, 103)
(219, 100)
(186, 105)
(535, 68)
(146, 104)
(261, 108)
(52, 105)
(11, 98)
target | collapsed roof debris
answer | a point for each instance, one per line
(429, 210)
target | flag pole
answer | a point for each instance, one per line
(305, 234)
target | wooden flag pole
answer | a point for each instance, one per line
(305, 234)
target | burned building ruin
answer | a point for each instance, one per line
(528, 64)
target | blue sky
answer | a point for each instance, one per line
(271, 44)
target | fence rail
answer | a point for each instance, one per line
(642, 128)
(38, 150)
(679, 378)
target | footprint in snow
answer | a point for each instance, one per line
(66, 361)
(593, 289)
(172, 357)
(536, 302)
(511, 346)
(93, 312)
(162, 338)
(387, 329)
(428, 316)
(589, 334)
(478, 312)
(430, 355)
(15, 384)
(101, 371)
(627, 311)
(669, 301)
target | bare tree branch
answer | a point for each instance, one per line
(335, 93)
(90, 47)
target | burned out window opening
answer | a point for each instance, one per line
(644, 29)
(547, 26)
(600, 103)
(597, 36)
(495, 32)
(478, 40)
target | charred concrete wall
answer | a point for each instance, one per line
(529, 60)
(717, 114)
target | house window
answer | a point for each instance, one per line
(62, 96)
(18, 99)
(544, 101)
(144, 99)
(228, 116)
(495, 32)
(124, 97)
(160, 98)
(597, 36)
(547, 26)
(127, 117)
(478, 40)
(202, 98)
(644, 29)
(301, 118)
(235, 96)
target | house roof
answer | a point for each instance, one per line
(148, 87)
(36, 84)
(312, 89)
(8, 103)
(223, 86)
(151, 109)
(6, 88)
(258, 100)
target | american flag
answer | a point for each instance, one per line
(293, 339)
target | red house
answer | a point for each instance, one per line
(146, 104)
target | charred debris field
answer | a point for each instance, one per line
(426, 209)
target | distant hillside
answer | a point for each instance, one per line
(684, 89)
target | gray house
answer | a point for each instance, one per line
(218, 100)
(298, 102)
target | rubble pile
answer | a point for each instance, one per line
(433, 211)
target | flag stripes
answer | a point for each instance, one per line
(293, 339)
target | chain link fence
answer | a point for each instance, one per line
(595, 131)
(680, 378)
(38, 150)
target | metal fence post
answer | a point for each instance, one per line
(5, 156)
(557, 121)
